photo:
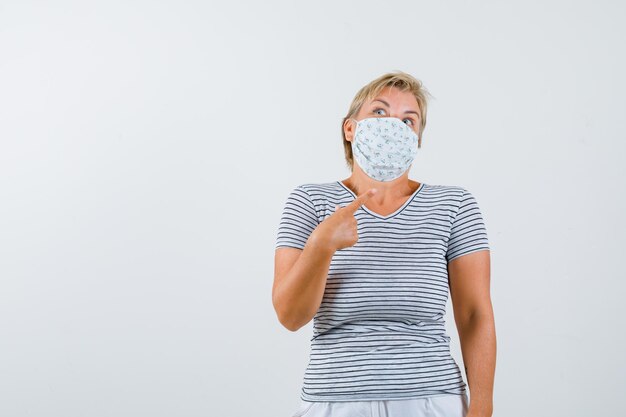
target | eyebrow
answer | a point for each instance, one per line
(408, 111)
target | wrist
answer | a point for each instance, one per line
(479, 412)
(320, 243)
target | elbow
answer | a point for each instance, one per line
(472, 312)
(286, 318)
(289, 324)
(469, 319)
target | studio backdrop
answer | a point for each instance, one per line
(147, 149)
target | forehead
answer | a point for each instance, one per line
(395, 96)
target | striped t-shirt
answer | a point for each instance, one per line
(380, 332)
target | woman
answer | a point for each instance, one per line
(371, 260)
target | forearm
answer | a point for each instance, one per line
(299, 294)
(478, 345)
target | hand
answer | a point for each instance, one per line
(339, 230)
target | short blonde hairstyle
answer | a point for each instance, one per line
(398, 79)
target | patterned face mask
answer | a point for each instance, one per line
(384, 147)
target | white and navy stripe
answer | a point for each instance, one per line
(380, 332)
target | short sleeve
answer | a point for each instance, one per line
(468, 232)
(297, 221)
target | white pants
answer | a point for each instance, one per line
(449, 405)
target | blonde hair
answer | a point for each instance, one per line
(398, 79)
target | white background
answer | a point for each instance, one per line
(147, 149)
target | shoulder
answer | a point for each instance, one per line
(318, 195)
(452, 199)
(319, 187)
(442, 193)
(463, 205)
(456, 192)
(445, 189)
(320, 192)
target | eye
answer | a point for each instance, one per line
(375, 110)
(410, 120)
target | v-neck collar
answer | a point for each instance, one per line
(380, 216)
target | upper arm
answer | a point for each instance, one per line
(469, 278)
(468, 258)
(297, 222)
(467, 231)
(284, 258)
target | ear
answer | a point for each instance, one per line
(348, 129)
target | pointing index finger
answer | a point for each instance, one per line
(360, 200)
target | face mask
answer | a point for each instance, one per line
(384, 147)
